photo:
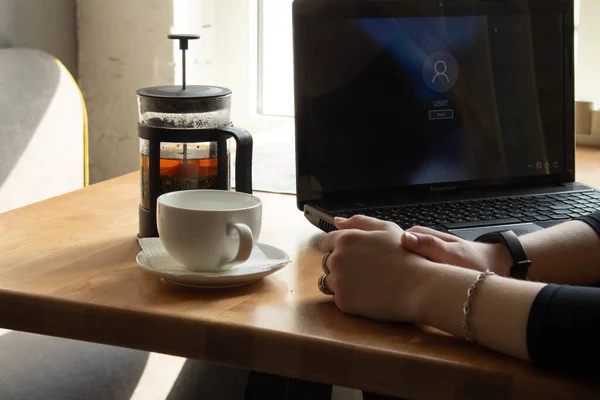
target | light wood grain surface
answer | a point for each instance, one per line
(67, 268)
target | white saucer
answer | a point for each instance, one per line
(235, 277)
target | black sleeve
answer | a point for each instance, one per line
(563, 331)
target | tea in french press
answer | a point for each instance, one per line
(184, 132)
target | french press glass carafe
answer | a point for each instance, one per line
(184, 132)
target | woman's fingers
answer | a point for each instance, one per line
(363, 223)
(345, 238)
(431, 247)
(331, 283)
(327, 241)
(428, 231)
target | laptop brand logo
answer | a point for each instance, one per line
(442, 188)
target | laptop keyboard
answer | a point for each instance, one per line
(486, 212)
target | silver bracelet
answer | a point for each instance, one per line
(467, 306)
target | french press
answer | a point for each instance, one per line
(184, 132)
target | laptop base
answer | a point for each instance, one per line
(469, 219)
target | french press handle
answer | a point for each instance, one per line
(243, 158)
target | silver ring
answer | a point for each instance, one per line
(323, 286)
(324, 263)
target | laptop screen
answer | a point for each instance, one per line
(391, 102)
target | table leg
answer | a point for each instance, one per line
(267, 386)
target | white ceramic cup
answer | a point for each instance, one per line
(209, 230)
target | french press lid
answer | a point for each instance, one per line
(184, 98)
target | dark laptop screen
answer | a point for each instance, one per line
(392, 102)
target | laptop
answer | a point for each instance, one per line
(455, 115)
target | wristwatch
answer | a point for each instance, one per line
(520, 260)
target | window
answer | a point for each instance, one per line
(276, 75)
(587, 85)
(577, 19)
(228, 55)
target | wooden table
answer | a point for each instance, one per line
(68, 269)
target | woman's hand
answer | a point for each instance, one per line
(374, 276)
(371, 274)
(444, 248)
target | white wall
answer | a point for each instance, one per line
(48, 25)
(197, 17)
(124, 47)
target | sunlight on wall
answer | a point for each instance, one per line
(52, 163)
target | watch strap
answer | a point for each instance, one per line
(521, 262)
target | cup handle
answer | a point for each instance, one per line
(246, 242)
